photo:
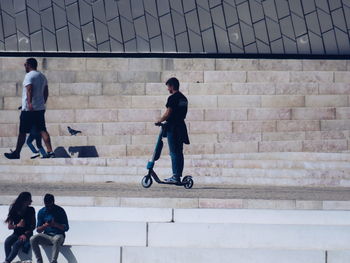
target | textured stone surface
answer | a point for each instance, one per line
(254, 126)
(209, 89)
(283, 136)
(279, 146)
(96, 115)
(268, 76)
(325, 146)
(225, 76)
(123, 89)
(334, 88)
(67, 102)
(253, 89)
(232, 235)
(326, 101)
(280, 101)
(85, 89)
(298, 125)
(324, 65)
(311, 76)
(236, 147)
(313, 114)
(232, 101)
(297, 88)
(269, 114)
(206, 255)
(225, 114)
(109, 102)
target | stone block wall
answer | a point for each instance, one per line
(236, 105)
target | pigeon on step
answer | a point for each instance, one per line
(72, 131)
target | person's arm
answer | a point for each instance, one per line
(41, 226)
(46, 93)
(32, 224)
(63, 225)
(166, 115)
(29, 96)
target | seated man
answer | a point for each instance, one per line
(52, 225)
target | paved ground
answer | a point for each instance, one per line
(216, 192)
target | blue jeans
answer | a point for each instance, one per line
(12, 246)
(34, 135)
(176, 154)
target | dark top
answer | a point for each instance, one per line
(57, 214)
(29, 219)
(178, 104)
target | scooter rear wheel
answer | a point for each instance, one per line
(146, 181)
(188, 182)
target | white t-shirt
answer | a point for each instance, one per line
(38, 81)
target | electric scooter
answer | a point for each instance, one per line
(147, 181)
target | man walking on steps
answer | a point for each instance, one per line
(34, 96)
(176, 130)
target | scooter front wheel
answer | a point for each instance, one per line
(147, 181)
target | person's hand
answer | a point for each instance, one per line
(52, 223)
(21, 223)
(46, 225)
(22, 238)
(30, 107)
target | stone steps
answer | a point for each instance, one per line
(195, 101)
(236, 235)
(286, 75)
(249, 235)
(76, 253)
(192, 161)
(195, 114)
(322, 180)
(188, 88)
(205, 176)
(126, 254)
(280, 169)
(229, 255)
(85, 214)
(121, 150)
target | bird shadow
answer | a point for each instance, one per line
(83, 151)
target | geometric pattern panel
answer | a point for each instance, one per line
(320, 27)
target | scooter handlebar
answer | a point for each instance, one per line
(159, 124)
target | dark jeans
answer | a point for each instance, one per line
(176, 154)
(12, 246)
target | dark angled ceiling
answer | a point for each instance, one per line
(177, 26)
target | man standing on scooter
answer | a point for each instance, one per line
(175, 127)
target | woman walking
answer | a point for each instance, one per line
(21, 219)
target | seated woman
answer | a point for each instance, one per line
(21, 218)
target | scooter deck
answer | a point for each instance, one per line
(163, 182)
(156, 178)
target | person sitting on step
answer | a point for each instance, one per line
(21, 218)
(52, 225)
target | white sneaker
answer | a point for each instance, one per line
(35, 155)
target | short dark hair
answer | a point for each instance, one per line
(49, 199)
(32, 63)
(174, 82)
